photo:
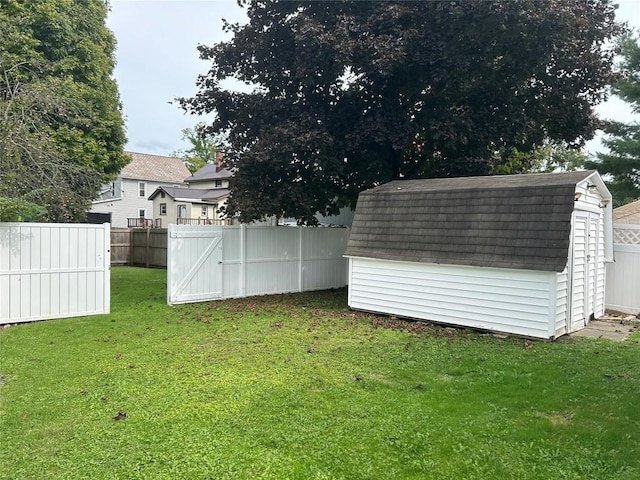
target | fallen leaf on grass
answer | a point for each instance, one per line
(120, 416)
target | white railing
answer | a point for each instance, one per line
(204, 221)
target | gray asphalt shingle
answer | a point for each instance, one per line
(515, 221)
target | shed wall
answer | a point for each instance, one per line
(521, 302)
(562, 303)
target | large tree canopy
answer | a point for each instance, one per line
(350, 94)
(621, 164)
(62, 132)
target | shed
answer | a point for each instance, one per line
(521, 254)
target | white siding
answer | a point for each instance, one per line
(601, 269)
(53, 271)
(130, 203)
(514, 301)
(562, 300)
(254, 260)
(208, 184)
(578, 274)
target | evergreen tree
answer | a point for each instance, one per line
(621, 164)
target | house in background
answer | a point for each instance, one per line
(210, 176)
(522, 254)
(126, 199)
(627, 214)
(188, 206)
(198, 204)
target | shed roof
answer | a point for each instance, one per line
(510, 221)
(144, 166)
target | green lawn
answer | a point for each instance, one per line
(299, 387)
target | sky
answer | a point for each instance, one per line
(157, 61)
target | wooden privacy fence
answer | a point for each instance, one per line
(623, 276)
(53, 271)
(140, 247)
(216, 262)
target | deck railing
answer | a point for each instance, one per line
(143, 223)
(204, 221)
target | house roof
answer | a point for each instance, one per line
(510, 221)
(192, 194)
(629, 213)
(144, 166)
(209, 172)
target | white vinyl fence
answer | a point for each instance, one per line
(53, 271)
(623, 276)
(215, 262)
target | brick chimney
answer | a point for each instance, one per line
(219, 159)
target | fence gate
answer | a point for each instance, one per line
(194, 264)
(53, 271)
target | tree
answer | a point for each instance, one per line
(62, 133)
(621, 165)
(548, 157)
(351, 94)
(37, 182)
(204, 147)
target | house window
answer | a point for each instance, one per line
(218, 183)
(142, 189)
(163, 209)
(205, 211)
(142, 213)
(161, 194)
(182, 211)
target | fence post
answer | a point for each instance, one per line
(301, 262)
(170, 248)
(148, 249)
(130, 250)
(243, 260)
(106, 265)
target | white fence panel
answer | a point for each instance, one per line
(623, 276)
(254, 260)
(53, 271)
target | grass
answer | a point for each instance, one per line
(300, 387)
